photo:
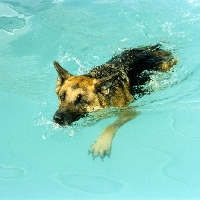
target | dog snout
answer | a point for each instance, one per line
(59, 118)
(67, 118)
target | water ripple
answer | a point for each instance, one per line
(10, 23)
(90, 184)
(11, 173)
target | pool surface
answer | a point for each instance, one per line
(155, 156)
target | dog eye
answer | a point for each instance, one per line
(80, 99)
(62, 96)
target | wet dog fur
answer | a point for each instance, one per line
(116, 83)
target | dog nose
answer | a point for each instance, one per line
(59, 118)
(67, 118)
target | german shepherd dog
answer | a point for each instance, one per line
(113, 84)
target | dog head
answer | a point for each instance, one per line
(79, 95)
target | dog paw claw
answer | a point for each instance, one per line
(100, 148)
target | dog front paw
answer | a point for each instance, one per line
(100, 148)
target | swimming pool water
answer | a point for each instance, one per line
(155, 156)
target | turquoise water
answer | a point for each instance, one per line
(155, 156)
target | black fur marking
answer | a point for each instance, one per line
(134, 65)
(74, 87)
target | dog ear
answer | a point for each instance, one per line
(58, 84)
(103, 85)
(62, 75)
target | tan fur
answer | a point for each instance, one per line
(76, 85)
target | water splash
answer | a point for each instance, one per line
(89, 120)
(53, 128)
(65, 56)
